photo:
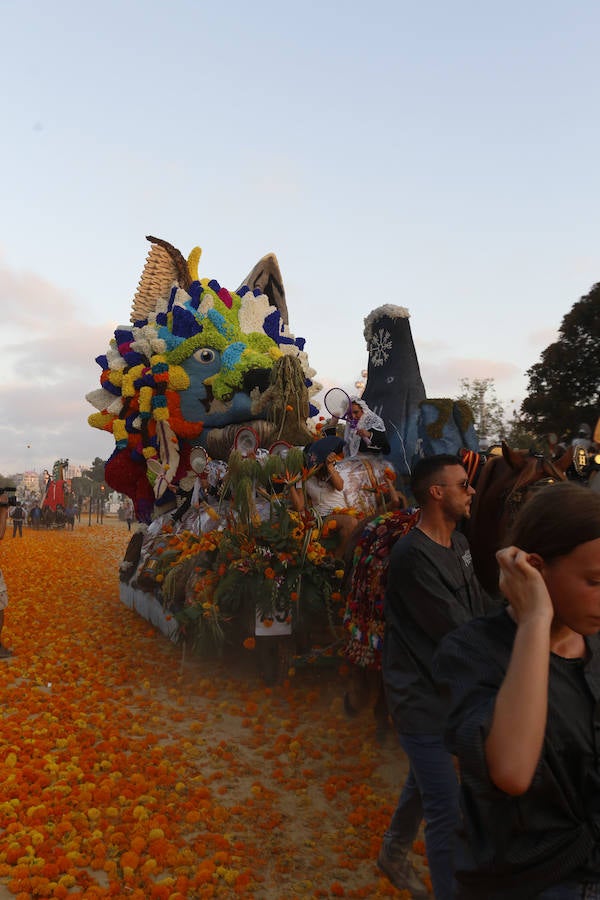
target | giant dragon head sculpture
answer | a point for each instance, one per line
(198, 359)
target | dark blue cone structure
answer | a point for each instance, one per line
(394, 386)
(416, 426)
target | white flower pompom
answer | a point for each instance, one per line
(207, 302)
(253, 312)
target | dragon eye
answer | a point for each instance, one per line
(205, 355)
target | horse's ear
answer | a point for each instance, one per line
(566, 459)
(514, 459)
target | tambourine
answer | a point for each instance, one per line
(279, 448)
(245, 441)
(198, 460)
(338, 403)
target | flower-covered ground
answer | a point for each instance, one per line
(128, 769)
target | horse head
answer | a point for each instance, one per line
(505, 483)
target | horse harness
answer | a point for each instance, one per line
(529, 480)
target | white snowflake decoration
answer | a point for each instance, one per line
(380, 346)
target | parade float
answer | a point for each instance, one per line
(57, 499)
(210, 400)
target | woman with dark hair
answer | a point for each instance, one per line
(524, 694)
(325, 487)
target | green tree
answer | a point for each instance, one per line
(82, 486)
(96, 472)
(520, 437)
(480, 394)
(564, 386)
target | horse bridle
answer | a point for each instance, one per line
(516, 497)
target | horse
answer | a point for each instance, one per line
(47, 517)
(502, 486)
(53, 518)
(502, 483)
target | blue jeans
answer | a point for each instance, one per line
(430, 793)
(571, 890)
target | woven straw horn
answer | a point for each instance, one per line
(164, 266)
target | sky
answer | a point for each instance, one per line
(437, 156)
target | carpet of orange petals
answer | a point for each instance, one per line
(127, 770)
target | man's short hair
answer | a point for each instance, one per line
(426, 471)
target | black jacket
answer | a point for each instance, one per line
(518, 846)
(431, 590)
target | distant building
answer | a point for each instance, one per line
(30, 482)
(73, 470)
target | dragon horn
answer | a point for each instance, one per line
(267, 278)
(164, 265)
(192, 263)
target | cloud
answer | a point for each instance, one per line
(46, 369)
(426, 346)
(33, 303)
(542, 337)
(56, 358)
(443, 377)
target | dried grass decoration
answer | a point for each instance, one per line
(286, 402)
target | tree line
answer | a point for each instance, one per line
(563, 388)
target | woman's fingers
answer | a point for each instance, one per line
(522, 583)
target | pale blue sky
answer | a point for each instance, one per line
(439, 156)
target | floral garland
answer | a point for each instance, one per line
(363, 615)
(278, 568)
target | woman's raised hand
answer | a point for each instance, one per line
(522, 584)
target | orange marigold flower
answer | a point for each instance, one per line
(269, 572)
(130, 859)
(138, 843)
(250, 643)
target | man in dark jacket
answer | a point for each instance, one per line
(432, 589)
(17, 515)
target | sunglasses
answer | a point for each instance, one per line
(465, 485)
